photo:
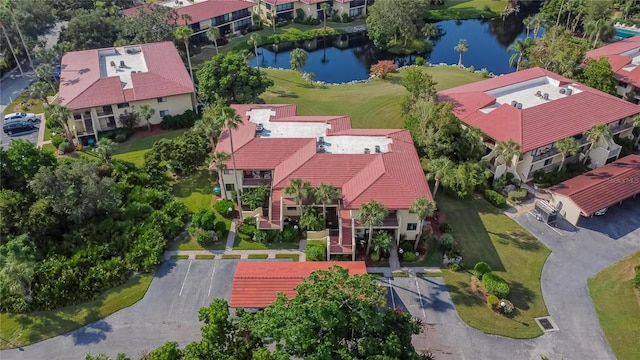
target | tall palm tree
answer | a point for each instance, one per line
(324, 194)
(325, 7)
(559, 13)
(39, 90)
(146, 112)
(105, 148)
(528, 24)
(597, 133)
(13, 52)
(274, 15)
(462, 48)
(299, 189)
(520, 50)
(17, 267)
(636, 124)
(567, 146)
(509, 150)
(254, 40)
(186, 18)
(298, 59)
(45, 71)
(211, 126)
(372, 214)
(184, 33)
(217, 160)
(9, 8)
(232, 121)
(538, 22)
(59, 115)
(424, 208)
(213, 33)
(439, 169)
(430, 30)
(598, 28)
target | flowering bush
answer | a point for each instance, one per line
(506, 307)
(382, 68)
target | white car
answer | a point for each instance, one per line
(20, 116)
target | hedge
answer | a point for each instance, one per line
(495, 285)
(517, 195)
(223, 206)
(315, 250)
(111, 134)
(480, 269)
(495, 198)
(409, 256)
(182, 121)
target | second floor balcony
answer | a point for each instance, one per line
(620, 128)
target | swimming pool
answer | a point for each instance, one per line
(624, 33)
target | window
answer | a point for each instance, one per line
(291, 208)
(123, 105)
(412, 226)
(164, 113)
(227, 172)
(548, 161)
(229, 187)
(162, 99)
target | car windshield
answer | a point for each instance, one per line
(22, 114)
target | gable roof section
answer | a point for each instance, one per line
(604, 186)
(81, 85)
(618, 62)
(539, 125)
(257, 284)
(212, 8)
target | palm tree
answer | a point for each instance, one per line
(636, 124)
(58, 115)
(184, 33)
(186, 18)
(39, 90)
(299, 189)
(372, 214)
(383, 243)
(13, 52)
(9, 9)
(509, 150)
(274, 15)
(105, 148)
(213, 33)
(254, 40)
(324, 194)
(17, 267)
(430, 30)
(230, 118)
(45, 71)
(217, 160)
(462, 48)
(325, 7)
(146, 112)
(520, 50)
(597, 133)
(309, 220)
(597, 29)
(439, 169)
(298, 59)
(559, 13)
(528, 23)
(424, 208)
(567, 146)
(211, 126)
(538, 22)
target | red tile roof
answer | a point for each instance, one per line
(604, 186)
(256, 284)
(612, 53)
(394, 178)
(200, 11)
(278, 2)
(81, 85)
(530, 127)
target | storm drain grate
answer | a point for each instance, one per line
(546, 324)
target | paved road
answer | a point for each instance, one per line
(11, 86)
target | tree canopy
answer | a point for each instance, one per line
(395, 22)
(229, 79)
(558, 51)
(599, 75)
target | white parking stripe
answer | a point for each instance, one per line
(393, 298)
(424, 316)
(185, 278)
(212, 274)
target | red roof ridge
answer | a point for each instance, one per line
(364, 179)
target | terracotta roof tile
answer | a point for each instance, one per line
(604, 186)
(200, 11)
(612, 53)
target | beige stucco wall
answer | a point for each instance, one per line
(230, 179)
(406, 217)
(309, 10)
(569, 211)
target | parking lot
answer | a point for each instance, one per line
(5, 140)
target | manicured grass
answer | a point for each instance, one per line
(486, 234)
(138, 144)
(179, 257)
(23, 329)
(205, 257)
(293, 257)
(617, 303)
(432, 259)
(36, 107)
(49, 147)
(258, 256)
(374, 104)
(230, 256)
(376, 274)
(239, 244)
(400, 274)
(429, 274)
(467, 9)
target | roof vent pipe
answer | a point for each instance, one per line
(545, 96)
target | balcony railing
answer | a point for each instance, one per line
(553, 151)
(620, 128)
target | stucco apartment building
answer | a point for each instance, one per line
(101, 84)
(624, 58)
(287, 9)
(536, 108)
(274, 146)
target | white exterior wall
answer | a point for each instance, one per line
(569, 211)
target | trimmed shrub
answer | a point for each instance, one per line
(204, 219)
(445, 242)
(182, 121)
(517, 195)
(480, 269)
(407, 246)
(315, 250)
(63, 147)
(445, 228)
(203, 237)
(499, 183)
(495, 285)
(382, 68)
(111, 134)
(409, 256)
(495, 198)
(492, 301)
(120, 138)
(420, 61)
(289, 234)
(375, 257)
(223, 206)
(56, 140)
(247, 229)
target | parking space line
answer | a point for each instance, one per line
(424, 316)
(549, 226)
(185, 278)
(393, 299)
(212, 274)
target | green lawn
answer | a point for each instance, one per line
(136, 146)
(230, 257)
(375, 104)
(258, 256)
(205, 257)
(239, 244)
(486, 234)
(23, 329)
(432, 259)
(35, 106)
(293, 257)
(467, 9)
(179, 257)
(617, 303)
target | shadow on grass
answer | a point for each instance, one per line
(462, 295)
(521, 239)
(199, 182)
(521, 296)
(285, 94)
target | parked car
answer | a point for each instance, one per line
(20, 116)
(16, 127)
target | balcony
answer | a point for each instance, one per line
(254, 182)
(614, 150)
(620, 128)
(553, 151)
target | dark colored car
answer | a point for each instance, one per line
(17, 127)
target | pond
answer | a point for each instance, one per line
(347, 57)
